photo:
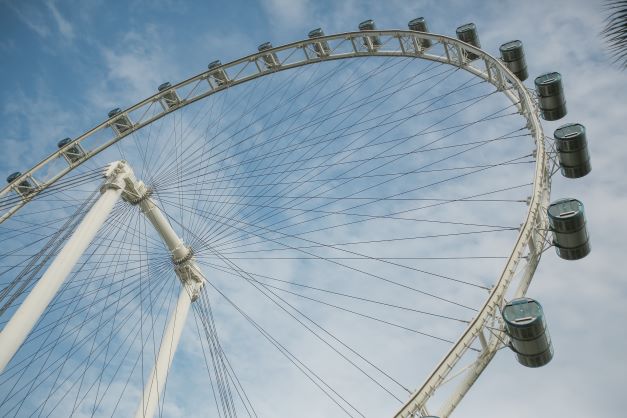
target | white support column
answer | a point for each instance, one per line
(29, 312)
(192, 281)
(121, 182)
(169, 343)
(188, 272)
(178, 250)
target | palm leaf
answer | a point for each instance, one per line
(615, 31)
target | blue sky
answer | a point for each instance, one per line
(66, 64)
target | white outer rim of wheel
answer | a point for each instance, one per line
(395, 43)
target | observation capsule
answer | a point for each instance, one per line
(551, 96)
(513, 56)
(572, 150)
(73, 153)
(321, 47)
(24, 187)
(271, 59)
(419, 24)
(468, 33)
(568, 224)
(526, 327)
(121, 123)
(219, 75)
(371, 42)
(169, 99)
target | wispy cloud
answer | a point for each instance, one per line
(288, 13)
(34, 121)
(65, 27)
(134, 66)
(31, 17)
(41, 22)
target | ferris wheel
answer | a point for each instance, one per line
(352, 219)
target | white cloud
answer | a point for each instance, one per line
(36, 122)
(65, 27)
(37, 20)
(31, 17)
(288, 13)
(134, 65)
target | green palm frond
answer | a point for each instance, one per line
(615, 31)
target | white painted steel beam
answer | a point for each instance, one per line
(176, 246)
(192, 281)
(188, 272)
(121, 182)
(24, 319)
(169, 342)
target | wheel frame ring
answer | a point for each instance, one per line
(532, 233)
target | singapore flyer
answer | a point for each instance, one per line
(305, 210)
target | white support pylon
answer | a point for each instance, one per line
(169, 343)
(191, 279)
(26, 316)
(121, 182)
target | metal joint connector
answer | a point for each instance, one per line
(136, 199)
(188, 256)
(191, 277)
